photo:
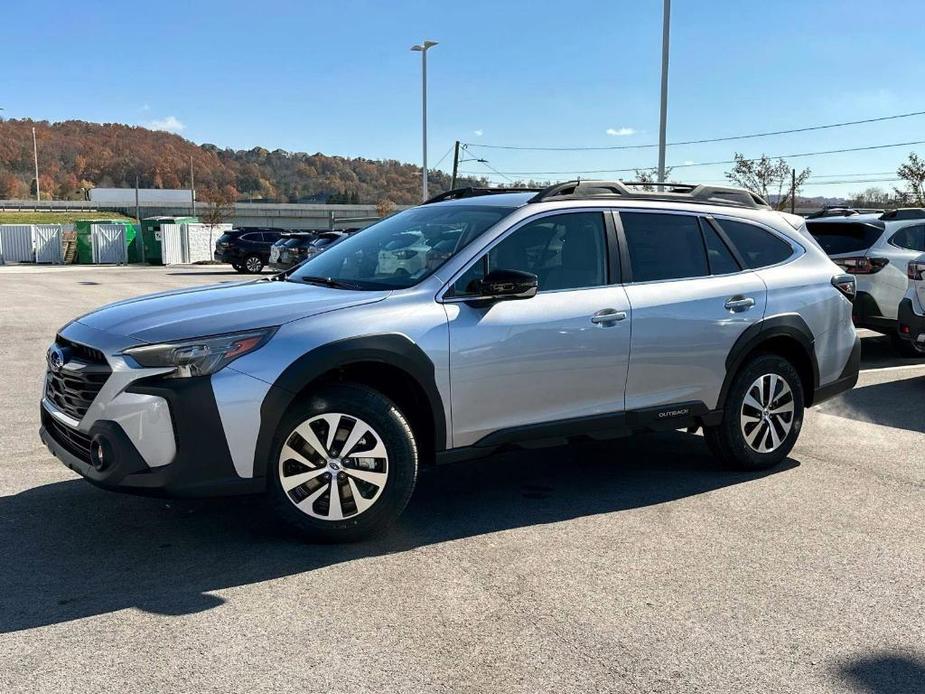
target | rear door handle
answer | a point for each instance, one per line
(608, 315)
(739, 303)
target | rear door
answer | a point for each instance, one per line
(691, 298)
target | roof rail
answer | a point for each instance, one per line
(470, 192)
(671, 192)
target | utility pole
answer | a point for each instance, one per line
(192, 187)
(663, 109)
(793, 191)
(35, 156)
(455, 165)
(422, 49)
(138, 235)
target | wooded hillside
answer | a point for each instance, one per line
(76, 154)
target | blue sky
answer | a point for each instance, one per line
(337, 77)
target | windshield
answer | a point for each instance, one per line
(402, 250)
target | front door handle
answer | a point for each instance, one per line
(608, 315)
(739, 303)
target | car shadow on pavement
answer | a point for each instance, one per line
(877, 352)
(892, 404)
(72, 551)
(885, 673)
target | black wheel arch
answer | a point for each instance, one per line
(787, 335)
(370, 360)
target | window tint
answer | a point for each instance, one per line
(758, 248)
(721, 260)
(912, 238)
(566, 251)
(664, 246)
(844, 237)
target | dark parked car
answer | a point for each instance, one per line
(291, 249)
(246, 248)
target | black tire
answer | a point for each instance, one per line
(905, 348)
(253, 264)
(396, 436)
(727, 440)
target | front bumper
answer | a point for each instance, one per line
(911, 324)
(202, 465)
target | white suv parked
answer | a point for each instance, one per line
(588, 309)
(876, 249)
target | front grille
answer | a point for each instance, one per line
(75, 442)
(74, 386)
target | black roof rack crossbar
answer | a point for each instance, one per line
(642, 190)
(470, 192)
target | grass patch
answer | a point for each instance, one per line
(56, 217)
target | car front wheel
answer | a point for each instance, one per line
(762, 417)
(345, 464)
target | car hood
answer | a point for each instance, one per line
(220, 308)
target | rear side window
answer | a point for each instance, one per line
(844, 237)
(758, 248)
(721, 260)
(664, 246)
(911, 238)
(250, 237)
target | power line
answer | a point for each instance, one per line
(706, 140)
(714, 163)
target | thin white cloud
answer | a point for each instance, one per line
(146, 107)
(478, 133)
(170, 124)
(620, 132)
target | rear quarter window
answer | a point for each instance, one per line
(758, 247)
(844, 237)
(911, 238)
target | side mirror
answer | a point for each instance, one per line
(508, 284)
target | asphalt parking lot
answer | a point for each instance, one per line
(631, 566)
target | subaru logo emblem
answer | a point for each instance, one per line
(56, 358)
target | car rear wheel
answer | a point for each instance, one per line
(763, 415)
(253, 265)
(345, 464)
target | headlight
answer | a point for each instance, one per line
(201, 356)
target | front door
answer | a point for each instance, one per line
(557, 356)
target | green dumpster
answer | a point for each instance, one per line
(82, 228)
(151, 235)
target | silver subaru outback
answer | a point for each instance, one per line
(588, 308)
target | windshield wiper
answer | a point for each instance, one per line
(329, 282)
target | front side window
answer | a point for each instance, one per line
(758, 248)
(664, 246)
(401, 250)
(564, 251)
(911, 238)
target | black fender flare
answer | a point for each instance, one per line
(392, 349)
(789, 325)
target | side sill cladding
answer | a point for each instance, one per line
(393, 350)
(789, 326)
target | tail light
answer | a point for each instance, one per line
(861, 265)
(846, 285)
(916, 270)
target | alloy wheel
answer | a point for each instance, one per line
(253, 264)
(333, 466)
(766, 417)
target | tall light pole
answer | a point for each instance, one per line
(663, 110)
(422, 49)
(35, 156)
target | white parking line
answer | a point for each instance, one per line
(893, 368)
